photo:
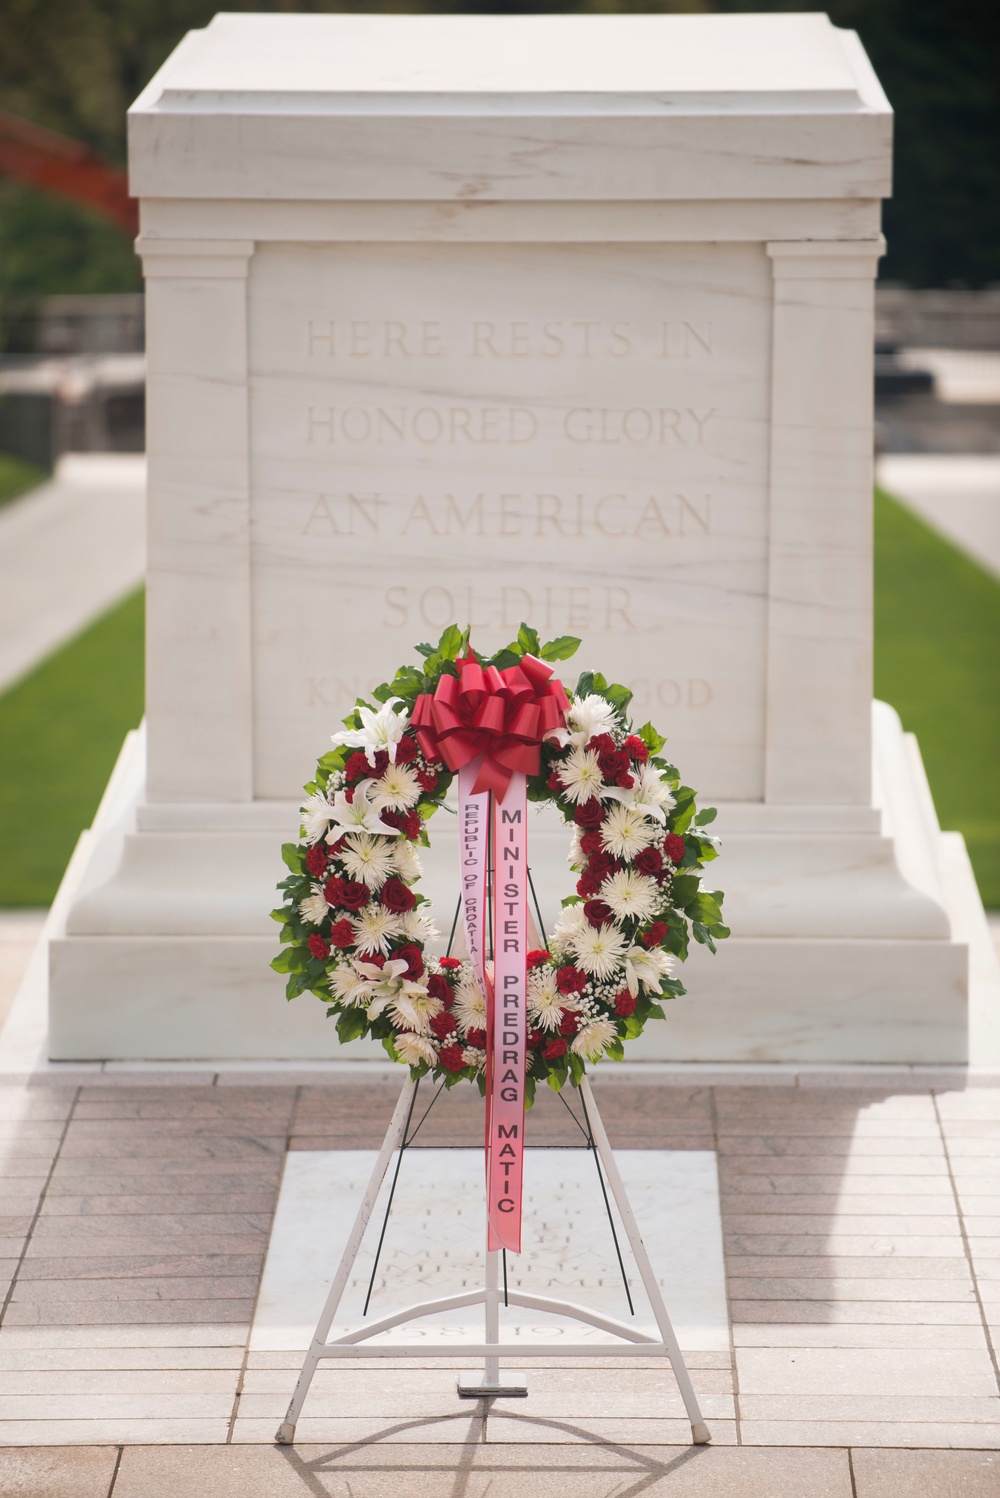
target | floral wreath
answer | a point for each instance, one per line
(353, 926)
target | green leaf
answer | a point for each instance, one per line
(706, 815)
(557, 1078)
(283, 962)
(450, 642)
(528, 639)
(424, 649)
(577, 1068)
(292, 857)
(683, 890)
(584, 684)
(352, 1024)
(684, 807)
(615, 1051)
(560, 649)
(504, 658)
(618, 696)
(653, 741)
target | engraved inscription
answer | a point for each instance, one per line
(559, 608)
(535, 516)
(633, 426)
(508, 338)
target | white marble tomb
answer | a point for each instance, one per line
(566, 318)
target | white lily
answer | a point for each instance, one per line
(359, 814)
(386, 982)
(647, 967)
(649, 794)
(381, 730)
(587, 717)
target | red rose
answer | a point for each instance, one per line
(318, 946)
(591, 842)
(624, 1004)
(408, 823)
(442, 1024)
(601, 865)
(339, 845)
(655, 934)
(476, 1037)
(537, 957)
(427, 780)
(570, 980)
(376, 959)
(316, 860)
(449, 962)
(397, 896)
(613, 762)
(333, 890)
(589, 813)
(553, 782)
(342, 933)
(597, 912)
(554, 1050)
(535, 1038)
(588, 884)
(451, 1058)
(636, 748)
(406, 751)
(674, 846)
(354, 895)
(440, 988)
(649, 861)
(357, 767)
(601, 743)
(570, 1022)
(414, 959)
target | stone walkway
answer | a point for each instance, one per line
(862, 1242)
(69, 550)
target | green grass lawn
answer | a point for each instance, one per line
(937, 660)
(60, 732)
(16, 477)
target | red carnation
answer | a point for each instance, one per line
(342, 933)
(535, 1038)
(333, 890)
(591, 842)
(674, 846)
(649, 861)
(554, 783)
(357, 767)
(449, 962)
(408, 823)
(376, 959)
(597, 912)
(537, 957)
(411, 954)
(601, 743)
(316, 860)
(318, 946)
(397, 896)
(439, 988)
(570, 1022)
(354, 895)
(554, 1050)
(570, 980)
(589, 813)
(339, 845)
(476, 1037)
(428, 780)
(636, 748)
(624, 1004)
(655, 934)
(588, 884)
(451, 1058)
(442, 1024)
(406, 751)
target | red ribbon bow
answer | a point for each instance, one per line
(502, 715)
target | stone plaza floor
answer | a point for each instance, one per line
(860, 1220)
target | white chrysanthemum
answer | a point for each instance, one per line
(632, 896)
(317, 814)
(314, 907)
(375, 928)
(545, 1002)
(580, 776)
(414, 1009)
(469, 1007)
(405, 862)
(414, 925)
(349, 986)
(397, 788)
(575, 854)
(627, 831)
(599, 950)
(367, 859)
(647, 967)
(379, 730)
(569, 923)
(355, 811)
(414, 1049)
(649, 793)
(593, 1040)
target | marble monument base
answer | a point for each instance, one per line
(843, 948)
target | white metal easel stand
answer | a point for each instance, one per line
(636, 1344)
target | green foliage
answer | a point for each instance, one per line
(61, 730)
(937, 660)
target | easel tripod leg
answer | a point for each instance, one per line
(393, 1138)
(700, 1433)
